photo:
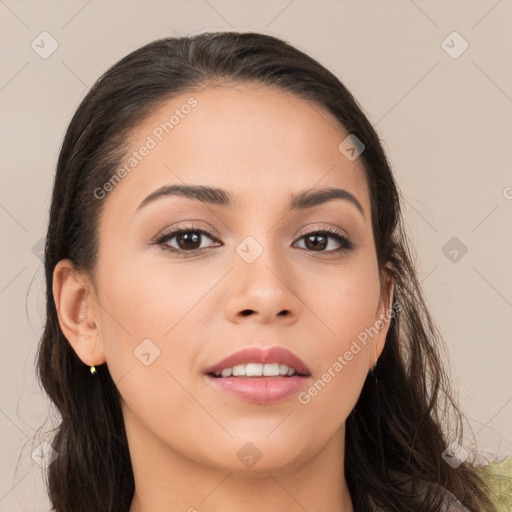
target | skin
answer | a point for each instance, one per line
(262, 145)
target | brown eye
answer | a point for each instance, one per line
(186, 239)
(318, 241)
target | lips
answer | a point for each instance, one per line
(254, 377)
(273, 355)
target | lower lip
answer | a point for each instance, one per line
(259, 390)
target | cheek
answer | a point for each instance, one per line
(345, 304)
(149, 309)
(343, 300)
(152, 297)
(147, 317)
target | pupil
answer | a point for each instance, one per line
(322, 244)
(191, 237)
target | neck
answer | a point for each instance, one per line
(165, 480)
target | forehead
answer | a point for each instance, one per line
(250, 139)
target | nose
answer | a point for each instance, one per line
(262, 291)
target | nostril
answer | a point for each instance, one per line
(247, 312)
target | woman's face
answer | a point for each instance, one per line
(258, 278)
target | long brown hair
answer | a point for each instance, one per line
(395, 434)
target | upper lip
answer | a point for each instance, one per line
(263, 356)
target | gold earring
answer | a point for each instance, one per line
(372, 370)
(93, 370)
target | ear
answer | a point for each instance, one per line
(78, 312)
(384, 313)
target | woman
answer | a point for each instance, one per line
(225, 265)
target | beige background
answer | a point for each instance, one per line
(445, 122)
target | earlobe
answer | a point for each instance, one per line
(77, 312)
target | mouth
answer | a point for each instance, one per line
(260, 376)
(256, 362)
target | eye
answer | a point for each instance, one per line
(187, 239)
(318, 241)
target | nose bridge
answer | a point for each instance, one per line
(261, 278)
(260, 245)
(261, 259)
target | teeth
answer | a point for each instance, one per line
(257, 370)
(283, 369)
(271, 370)
(226, 372)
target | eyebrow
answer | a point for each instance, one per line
(219, 197)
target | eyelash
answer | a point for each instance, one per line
(345, 244)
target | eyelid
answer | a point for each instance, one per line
(316, 227)
(187, 224)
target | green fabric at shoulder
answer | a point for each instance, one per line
(498, 476)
